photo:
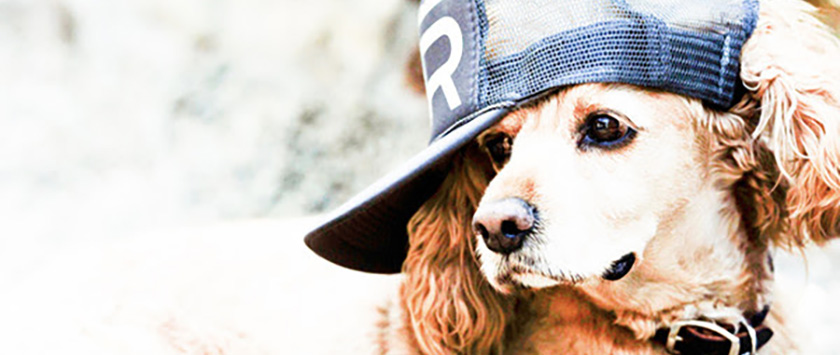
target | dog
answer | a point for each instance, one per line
(588, 221)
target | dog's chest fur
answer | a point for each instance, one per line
(561, 321)
(557, 321)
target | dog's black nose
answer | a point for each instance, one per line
(504, 224)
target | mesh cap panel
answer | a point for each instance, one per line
(512, 50)
(513, 26)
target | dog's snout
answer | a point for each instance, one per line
(504, 224)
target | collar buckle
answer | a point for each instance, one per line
(734, 340)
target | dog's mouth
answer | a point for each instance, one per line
(620, 267)
(518, 276)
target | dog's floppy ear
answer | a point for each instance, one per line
(451, 308)
(791, 67)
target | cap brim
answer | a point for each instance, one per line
(368, 233)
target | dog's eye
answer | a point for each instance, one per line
(603, 130)
(498, 148)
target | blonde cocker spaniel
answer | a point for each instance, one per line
(589, 220)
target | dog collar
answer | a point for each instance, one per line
(702, 337)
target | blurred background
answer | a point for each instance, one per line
(127, 117)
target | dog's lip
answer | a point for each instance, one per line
(517, 272)
(620, 267)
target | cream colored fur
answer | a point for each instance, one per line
(700, 196)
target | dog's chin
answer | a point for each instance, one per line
(529, 280)
(520, 280)
(508, 276)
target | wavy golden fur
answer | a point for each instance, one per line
(451, 306)
(774, 165)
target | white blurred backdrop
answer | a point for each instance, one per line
(127, 115)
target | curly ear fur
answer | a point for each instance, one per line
(451, 308)
(789, 65)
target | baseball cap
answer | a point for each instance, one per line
(484, 58)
